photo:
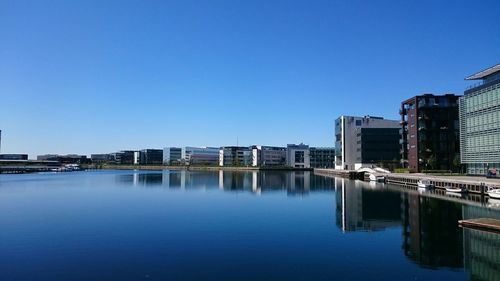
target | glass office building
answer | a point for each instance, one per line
(480, 123)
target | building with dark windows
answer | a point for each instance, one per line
(151, 157)
(268, 156)
(365, 142)
(172, 155)
(480, 123)
(13, 156)
(102, 158)
(126, 157)
(322, 157)
(430, 133)
(65, 159)
(235, 156)
(208, 156)
(298, 156)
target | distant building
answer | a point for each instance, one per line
(126, 157)
(480, 123)
(65, 159)
(151, 157)
(322, 157)
(268, 156)
(298, 156)
(172, 155)
(365, 141)
(13, 156)
(235, 156)
(200, 155)
(102, 158)
(429, 132)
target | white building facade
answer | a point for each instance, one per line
(298, 156)
(349, 139)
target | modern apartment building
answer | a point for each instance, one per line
(322, 157)
(298, 156)
(151, 157)
(172, 155)
(268, 156)
(365, 142)
(235, 156)
(200, 155)
(480, 123)
(430, 132)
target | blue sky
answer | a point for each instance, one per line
(100, 76)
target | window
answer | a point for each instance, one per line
(358, 122)
(299, 156)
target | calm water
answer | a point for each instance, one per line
(161, 225)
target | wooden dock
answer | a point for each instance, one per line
(486, 224)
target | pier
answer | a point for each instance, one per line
(486, 224)
(475, 185)
(478, 185)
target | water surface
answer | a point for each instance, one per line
(178, 225)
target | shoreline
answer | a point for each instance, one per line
(197, 168)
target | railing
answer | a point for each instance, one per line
(474, 85)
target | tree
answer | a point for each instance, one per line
(431, 161)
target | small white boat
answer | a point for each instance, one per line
(454, 194)
(455, 189)
(494, 203)
(424, 184)
(494, 193)
(376, 178)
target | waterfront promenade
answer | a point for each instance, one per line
(475, 184)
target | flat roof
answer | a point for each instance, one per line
(482, 74)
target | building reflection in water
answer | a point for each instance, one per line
(141, 178)
(294, 182)
(362, 209)
(430, 233)
(431, 236)
(481, 249)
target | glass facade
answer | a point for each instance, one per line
(480, 128)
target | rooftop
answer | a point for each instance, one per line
(484, 73)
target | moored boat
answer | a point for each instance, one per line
(455, 189)
(377, 178)
(494, 193)
(424, 184)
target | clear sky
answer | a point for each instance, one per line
(101, 76)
